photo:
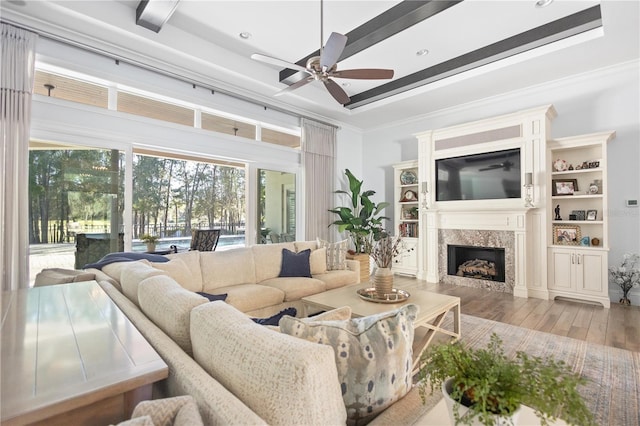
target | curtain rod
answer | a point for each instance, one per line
(160, 71)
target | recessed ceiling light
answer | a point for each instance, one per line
(422, 52)
(543, 3)
(245, 35)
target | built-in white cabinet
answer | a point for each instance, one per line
(406, 214)
(579, 274)
(578, 235)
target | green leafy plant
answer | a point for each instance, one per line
(361, 219)
(149, 239)
(490, 383)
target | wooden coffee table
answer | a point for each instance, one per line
(433, 309)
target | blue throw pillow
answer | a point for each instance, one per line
(295, 264)
(274, 320)
(213, 297)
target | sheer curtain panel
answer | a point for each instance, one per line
(318, 159)
(17, 60)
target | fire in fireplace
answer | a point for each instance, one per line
(485, 263)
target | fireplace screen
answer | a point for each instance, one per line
(484, 263)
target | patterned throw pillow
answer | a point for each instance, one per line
(336, 254)
(373, 354)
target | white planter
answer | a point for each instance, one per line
(462, 410)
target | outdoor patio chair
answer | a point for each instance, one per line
(204, 239)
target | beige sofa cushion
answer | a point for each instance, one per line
(250, 297)
(179, 271)
(303, 245)
(295, 288)
(169, 306)
(373, 355)
(225, 268)
(268, 259)
(276, 375)
(132, 273)
(336, 279)
(318, 261)
(192, 260)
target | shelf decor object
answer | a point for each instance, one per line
(568, 235)
(564, 187)
(528, 187)
(408, 177)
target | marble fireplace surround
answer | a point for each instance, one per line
(478, 238)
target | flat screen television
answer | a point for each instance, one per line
(486, 176)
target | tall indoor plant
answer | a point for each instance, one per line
(361, 219)
(491, 384)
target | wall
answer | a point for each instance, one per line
(608, 99)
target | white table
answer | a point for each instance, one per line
(70, 356)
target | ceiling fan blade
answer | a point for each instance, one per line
(336, 91)
(295, 85)
(277, 62)
(332, 50)
(364, 73)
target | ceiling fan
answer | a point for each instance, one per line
(324, 67)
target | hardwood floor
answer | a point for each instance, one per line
(618, 326)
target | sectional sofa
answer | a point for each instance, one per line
(240, 372)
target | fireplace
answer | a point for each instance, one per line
(484, 263)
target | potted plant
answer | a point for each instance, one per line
(361, 219)
(150, 240)
(487, 387)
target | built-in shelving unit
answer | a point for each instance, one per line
(406, 214)
(578, 234)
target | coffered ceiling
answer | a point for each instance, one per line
(474, 48)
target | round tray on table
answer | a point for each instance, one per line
(396, 295)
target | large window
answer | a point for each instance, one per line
(173, 196)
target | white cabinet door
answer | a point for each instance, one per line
(561, 270)
(590, 269)
(407, 261)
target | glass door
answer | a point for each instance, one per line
(276, 206)
(76, 205)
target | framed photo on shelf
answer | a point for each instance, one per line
(592, 214)
(564, 186)
(579, 215)
(568, 235)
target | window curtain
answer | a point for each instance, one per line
(17, 61)
(318, 159)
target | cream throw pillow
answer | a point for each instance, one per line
(318, 261)
(373, 354)
(336, 254)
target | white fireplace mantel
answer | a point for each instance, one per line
(528, 130)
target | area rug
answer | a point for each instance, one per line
(612, 391)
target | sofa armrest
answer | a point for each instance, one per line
(282, 378)
(216, 404)
(354, 265)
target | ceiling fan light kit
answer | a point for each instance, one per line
(324, 67)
